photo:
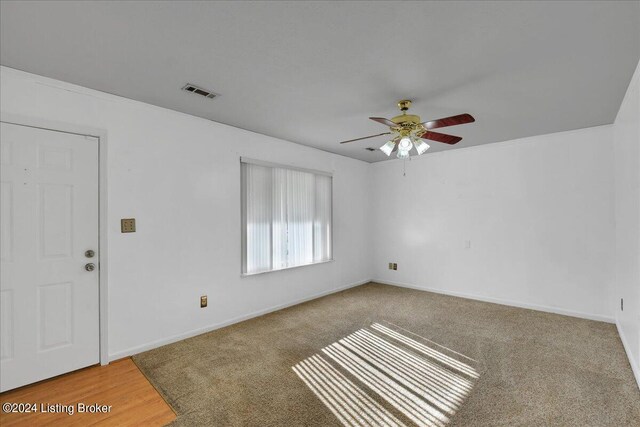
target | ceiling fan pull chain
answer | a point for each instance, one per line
(404, 166)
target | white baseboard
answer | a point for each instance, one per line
(634, 364)
(555, 310)
(179, 337)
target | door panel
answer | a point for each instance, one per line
(55, 210)
(55, 315)
(49, 218)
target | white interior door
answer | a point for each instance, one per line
(49, 307)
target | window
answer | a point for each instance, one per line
(286, 217)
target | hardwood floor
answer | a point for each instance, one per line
(120, 385)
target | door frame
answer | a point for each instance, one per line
(101, 135)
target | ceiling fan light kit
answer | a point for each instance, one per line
(407, 131)
(404, 146)
(421, 146)
(388, 147)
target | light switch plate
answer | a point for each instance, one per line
(203, 301)
(128, 225)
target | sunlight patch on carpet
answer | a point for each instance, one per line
(384, 375)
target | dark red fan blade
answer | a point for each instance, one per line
(384, 121)
(365, 137)
(449, 121)
(441, 137)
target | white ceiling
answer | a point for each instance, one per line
(313, 72)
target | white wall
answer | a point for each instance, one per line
(179, 176)
(626, 138)
(538, 213)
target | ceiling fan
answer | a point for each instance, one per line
(407, 131)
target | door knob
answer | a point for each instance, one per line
(90, 266)
(89, 253)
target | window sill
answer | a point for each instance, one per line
(286, 268)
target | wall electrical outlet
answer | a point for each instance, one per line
(203, 301)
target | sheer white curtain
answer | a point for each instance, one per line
(286, 218)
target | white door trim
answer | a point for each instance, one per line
(102, 208)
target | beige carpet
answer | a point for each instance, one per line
(285, 368)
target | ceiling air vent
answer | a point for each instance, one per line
(199, 91)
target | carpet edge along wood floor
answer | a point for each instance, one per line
(383, 355)
(119, 385)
